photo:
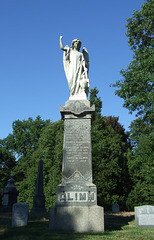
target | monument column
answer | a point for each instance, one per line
(76, 206)
(77, 187)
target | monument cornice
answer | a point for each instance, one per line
(77, 108)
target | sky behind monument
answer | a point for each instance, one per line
(32, 78)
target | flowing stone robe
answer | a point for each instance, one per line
(76, 71)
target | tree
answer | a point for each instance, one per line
(46, 146)
(49, 149)
(19, 146)
(7, 163)
(95, 100)
(141, 169)
(110, 144)
(110, 170)
(136, 88)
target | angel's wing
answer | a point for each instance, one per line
(86, 57)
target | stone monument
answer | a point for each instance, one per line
(9, 195)
(19, 214)
(76, 205)
(144, 216)
(115, 208)
(39, 198)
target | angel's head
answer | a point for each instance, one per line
(76, 44)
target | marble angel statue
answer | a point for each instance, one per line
(76, 66)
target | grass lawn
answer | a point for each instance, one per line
(117, 226)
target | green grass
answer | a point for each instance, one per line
(117, 226)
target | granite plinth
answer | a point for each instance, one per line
(77, 219)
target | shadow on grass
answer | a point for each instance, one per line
(39, 229)
(116, 221)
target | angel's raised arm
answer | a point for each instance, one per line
(61, 44)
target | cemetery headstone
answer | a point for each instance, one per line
(19, 214)
(115, 208)
(10, 194)
(144, 216)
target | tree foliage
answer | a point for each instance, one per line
(136, 88)
(7, 162)
(109, 147)
(49, 149)
(95, 100)
(31, 141)
(141, 170)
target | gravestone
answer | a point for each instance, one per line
(144, 216)
(38, 209)
(19, 214)
(76, 204)
(9, 195)
(115, 208)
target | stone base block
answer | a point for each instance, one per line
(77, 218)
(145, 220)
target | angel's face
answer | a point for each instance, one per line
(77, 45)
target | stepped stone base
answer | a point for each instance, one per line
(77, 218)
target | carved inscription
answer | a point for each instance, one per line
(77, 149)
(77, 197)
(77, 140)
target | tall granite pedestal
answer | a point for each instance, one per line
(76, 205)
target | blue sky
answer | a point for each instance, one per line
(32, 78)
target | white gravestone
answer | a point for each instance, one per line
(144, 216)
(19, 214)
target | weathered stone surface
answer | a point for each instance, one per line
(144, 216)
(77, 161)
(19, 214)
(77, 151)
(77, 219)
(77, 188)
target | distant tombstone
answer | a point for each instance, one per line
(38, 209)
(10, 194)
(144, 216)
(19, 214)
(115, 208)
